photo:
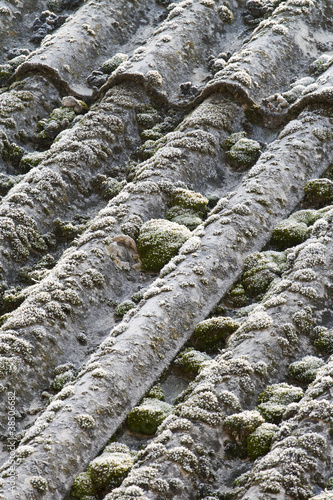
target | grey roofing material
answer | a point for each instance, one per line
(156, 126)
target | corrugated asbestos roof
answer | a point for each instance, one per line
(166, 189)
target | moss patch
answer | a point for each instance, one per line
(259, 442)
(319, 192)
(145, 419)
(244, 153)
(306, 369)
(260, 269)
(190, 361)
(324, 340)
(159, 240)
(210, 333)
(274, 400)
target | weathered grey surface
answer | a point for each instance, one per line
(187, 298)
(97, 31)
(197, 72)
(231, 383)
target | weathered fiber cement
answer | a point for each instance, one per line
(116, 119)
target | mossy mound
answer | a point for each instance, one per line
(12, 153)
(307, 217)
(184, 216)
(59, 120)
(111, 64)
(244, 423)
(319, 192)
(145, 419)
(225, 14)
(62, 379)
(105, 472)
(274, 400)
(123, 308)
(236, 297)
(306, 369)
(324, 340)
(233, 138)
(30, 161)
(190, 361)
(294, 230)
(244, 153)
(110, 469)
(211, 332)
(281, 393)
(7, 182)
(190, 199)
(272, 412)
(289, 233)
(83, 486)
(259, 442)
(159, 240)
(12, 299)
(321, 64)
(260, 269)
(156, 392)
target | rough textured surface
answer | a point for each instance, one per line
(166, 249)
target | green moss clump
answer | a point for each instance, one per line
(225, 14)
(39, 483)
(184, 216)
(30, 160)
(152, 134)
(272, 412)
(6, 72)
(319, 192)
(105, 472)
(7, 182)
(12, 301)
(259, 442)
(159, 240)
(274, 400)
(293, 94)
(324, 340)
(156, 392)
(293, 230)
(281, 393)
(111, 64)
(211, 332)
(147, 150)
(289, 233)
(190, 361)
(145, 419)
(67, 230)
(243, 424)
(306, 369)
(138, 296)
(109, 469)
(233, 138)
(12, 153)
(123, 308)
(321, 64)
(329, 485)
(260, 269)
(307, 217)
(62, 379)
(108, 187)
(147, 120)
(244, 153)
(59, 120)
(236, 297)
(83, 486)
(190, 199)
